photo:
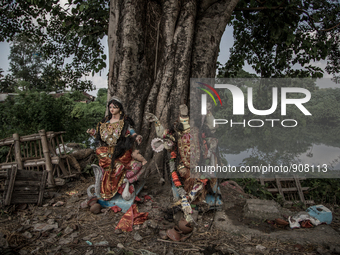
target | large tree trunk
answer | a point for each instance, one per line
(155, 47)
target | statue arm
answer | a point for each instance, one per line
(160, 130)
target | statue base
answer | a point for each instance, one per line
(119, 201)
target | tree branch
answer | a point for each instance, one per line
(260, 1)
(253, 9)
(259, 8)
(328, 29)
(312, 22)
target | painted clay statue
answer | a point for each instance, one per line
(191, 190)
(119, 165)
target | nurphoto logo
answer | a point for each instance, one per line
(238, 104)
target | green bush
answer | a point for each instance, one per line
(30, 112)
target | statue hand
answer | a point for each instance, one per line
(91, 131)
(139, 139)
(150, 117)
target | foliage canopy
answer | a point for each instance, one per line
(271, 36)
(276, 37)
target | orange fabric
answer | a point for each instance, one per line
(104, 160)
(130, 218)
(110, 183)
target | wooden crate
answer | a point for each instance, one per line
(24, 186)
(38, 152)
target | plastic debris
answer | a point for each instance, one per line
(84, 204)
(152, 224)
(146, 198)
(45, 226)
(146, 252)
(102, 243)
(320, 212)
(294, 221)
(27, 234)
(137, 236)
(90, 236)
(68, 230)
(59, 203)
(88, 242)
(70, 193)
(260, 247)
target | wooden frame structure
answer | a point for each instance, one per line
(24, 186)
(37, 152)
(288, 188)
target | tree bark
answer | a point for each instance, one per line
(155, 47)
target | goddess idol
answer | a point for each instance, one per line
(119, 165)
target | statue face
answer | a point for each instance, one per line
(183, 110)
(209, 106)
(114, 109)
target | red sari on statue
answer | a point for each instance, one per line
(123, 167)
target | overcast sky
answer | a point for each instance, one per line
(100, 80)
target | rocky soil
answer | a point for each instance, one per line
(61, 226)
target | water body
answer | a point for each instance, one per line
(318, 154)
(307, 150)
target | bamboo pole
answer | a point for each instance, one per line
(9, 153)
(39, 143)
(68, 164)
(35, 149)
(17, 151)
(46, 151)
(9, 141)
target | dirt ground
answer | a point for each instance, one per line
(71, 229)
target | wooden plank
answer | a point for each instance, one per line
(51, 149)
(42, 188)
(6, 141)
(5, 166)
(28, 175)
(27, 150)
(26, 193)
(299, 188)
(281, 179)
(33, 137)
(68, 163)
(47, 157)
(25, 189)
(39, 143)
(25, 183)
(62, 142)
(3, 174)
(30, 163)
(274, 190)
(22, 150)
(17, 149)
(31, 158)
(63, 169)
(13, 173)
(9, 153)
(35, 149)
(31, 149)
(25, 200)
(279, 187)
